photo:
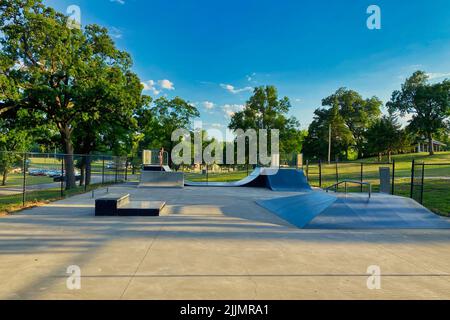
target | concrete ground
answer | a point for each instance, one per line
(211, 243)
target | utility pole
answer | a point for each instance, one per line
(329, 144)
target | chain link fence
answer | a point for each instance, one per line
(34, 177)
(37, 177)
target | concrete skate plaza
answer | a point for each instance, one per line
(211, 243)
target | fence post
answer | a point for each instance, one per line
(362, 175)
(85, 172)
(116, 174)
(62, 177)
(412, 178)
(337, 171)
(24, 186)
(423, 183)
(320, 173)
(103, 169)
(307, 169)
(126, 169)
(393, 177)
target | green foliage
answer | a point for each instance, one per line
(160, 119)
(349, 116)
(12, 140)
(75, 79)
(264, 110)
(386, 136)
(316, 143)
(428, 104)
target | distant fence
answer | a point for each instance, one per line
(430, 185)
(36, 176)
(325, 174)
(427, 183)
(39, 176)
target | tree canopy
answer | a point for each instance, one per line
(264, 110)
(427, 104)
(75, 78)
(349, 116)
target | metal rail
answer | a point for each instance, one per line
(346, 182)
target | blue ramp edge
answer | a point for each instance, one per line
(299, 210)
(288, 180)
(380, 212)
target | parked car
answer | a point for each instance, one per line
(60, 178)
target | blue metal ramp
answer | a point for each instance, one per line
(288, 180)
(274, 179)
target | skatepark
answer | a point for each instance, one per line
(265, 237)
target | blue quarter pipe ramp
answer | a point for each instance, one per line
(288, 180)
(274, 179)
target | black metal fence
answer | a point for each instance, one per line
(426, 182)
(325, 174)
(430, 185)
(39, 176)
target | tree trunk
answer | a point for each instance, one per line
(82, 171)
(430, 141)
(379, 156)
(66, 135)
(88, 170)
(5, 176)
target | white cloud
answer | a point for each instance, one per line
(157, 87)
(118, 1)
(166, 84)
(234, 90)
(231, 109)
(438, 75)
(250, 77)
(116, 33)
(208, 105)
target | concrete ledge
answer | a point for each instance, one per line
(108, 205)
(161, 179)
(141, 209)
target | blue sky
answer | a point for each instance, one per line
(213, 52)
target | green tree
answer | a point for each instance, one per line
(264, 110)
(386, 136)
(357, 113)
(317, 141)
(49, 68)
(13, 141)
(428, 104)
(161, 118)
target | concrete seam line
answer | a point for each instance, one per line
(140, 262)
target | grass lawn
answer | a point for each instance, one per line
(9, 204)
(16, 180)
